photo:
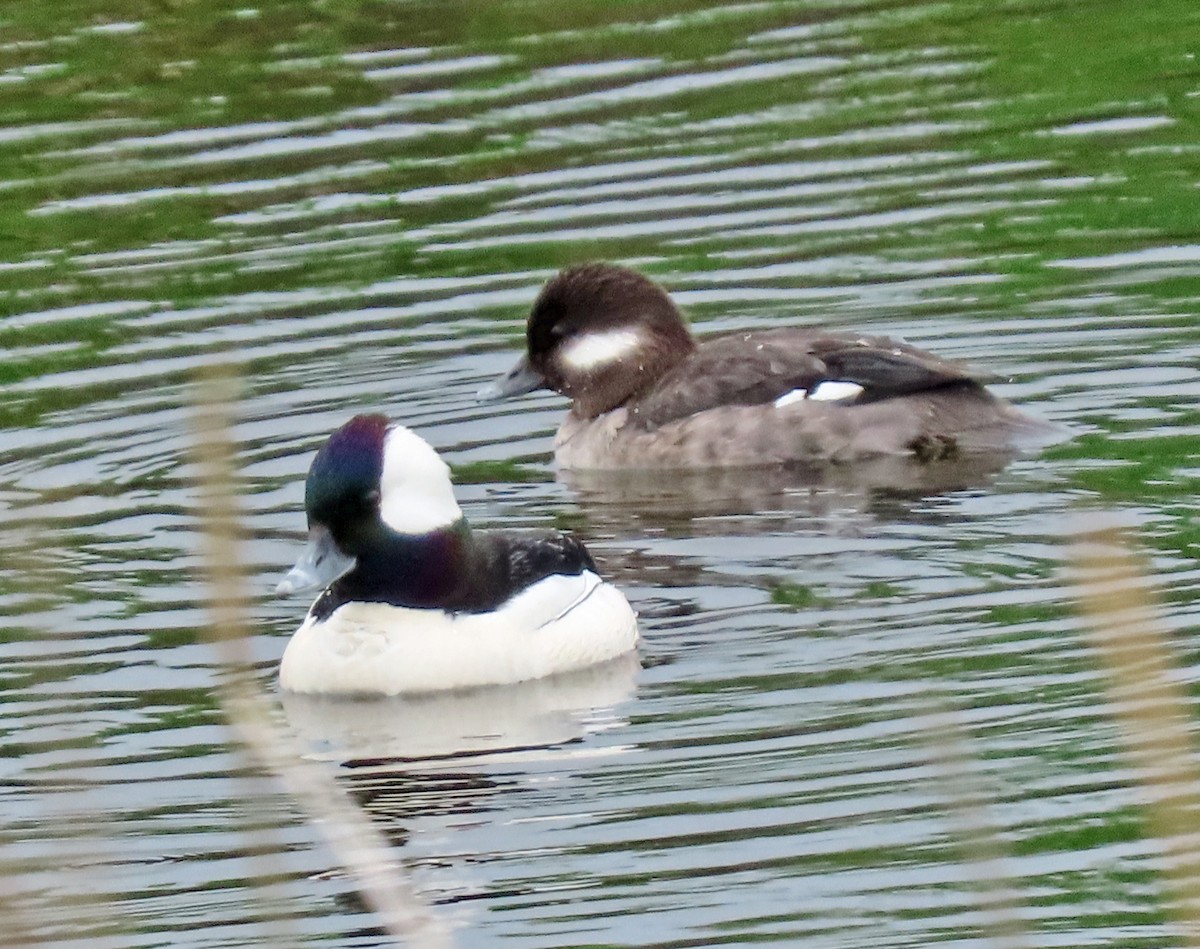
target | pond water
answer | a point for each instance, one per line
(864, 715)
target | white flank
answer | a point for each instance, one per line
(835, 391)
(593, 350)
(415, 494)
(796, 395)
(559, 624)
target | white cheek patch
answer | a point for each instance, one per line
(593, 350)
(835, 391)
(415, 494)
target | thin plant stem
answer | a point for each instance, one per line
(976, 831)
(1151, 708)
(382, 880)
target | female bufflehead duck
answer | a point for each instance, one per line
(418, 602)
(645, 394)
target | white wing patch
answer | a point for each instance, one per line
(593, 350)
(552, 597)
(796, 395)
(835, 391)
(829, 391)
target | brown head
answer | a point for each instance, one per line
(601, 335)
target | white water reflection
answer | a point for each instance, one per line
(423, 730)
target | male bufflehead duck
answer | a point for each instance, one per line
(645, 394)
(418, 602)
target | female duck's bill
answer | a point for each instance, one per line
(414, 600)
(519, 380)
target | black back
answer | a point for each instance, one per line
(454, 569)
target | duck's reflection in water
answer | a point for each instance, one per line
(441, 753)
(660, 529)
(727, 500)
(423, 730)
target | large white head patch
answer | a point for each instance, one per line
(415, 494)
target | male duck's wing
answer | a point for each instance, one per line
(755, 368)
(521, 559)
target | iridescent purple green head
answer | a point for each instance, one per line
(343, 484)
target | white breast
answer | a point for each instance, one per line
(559, 624)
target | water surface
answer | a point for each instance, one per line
(842, 684)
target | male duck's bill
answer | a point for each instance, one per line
(418, 602)
(645, 394)
(319, 565)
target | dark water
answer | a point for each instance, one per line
(841, 685)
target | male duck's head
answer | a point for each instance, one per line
(600, 335)
(369, 482)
